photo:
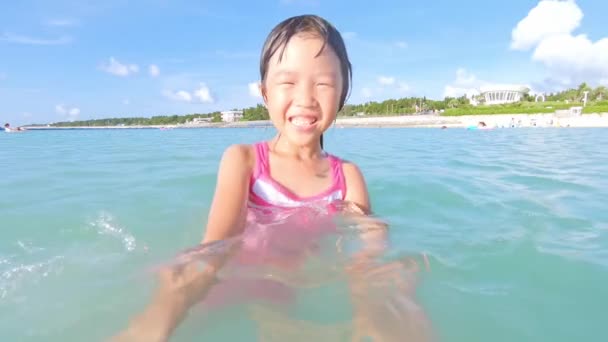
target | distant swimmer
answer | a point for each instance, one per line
(480, 125)
(8, 128)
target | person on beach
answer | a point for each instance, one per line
(305, 80)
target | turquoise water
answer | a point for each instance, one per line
(514, 223)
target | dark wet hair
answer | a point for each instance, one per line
(285, 30)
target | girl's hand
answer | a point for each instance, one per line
(384, 305)
(180, 286)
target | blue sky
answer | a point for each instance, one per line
(65, 60)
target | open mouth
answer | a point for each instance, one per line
(303, 121)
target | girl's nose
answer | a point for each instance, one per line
(305, 95)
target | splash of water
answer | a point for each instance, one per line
(106, 224)
(15, 273)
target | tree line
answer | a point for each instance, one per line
(597, 98)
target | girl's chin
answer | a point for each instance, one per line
(302, 140)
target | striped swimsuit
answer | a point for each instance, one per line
(265, 192)
(277, 239)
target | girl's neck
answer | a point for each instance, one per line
(283, 147)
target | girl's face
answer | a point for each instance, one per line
(302, 91)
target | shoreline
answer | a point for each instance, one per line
(594, 120)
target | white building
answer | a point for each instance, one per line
(232, 115)
(499, 94)
(201, 120)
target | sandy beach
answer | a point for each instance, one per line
(429, 121)
(491, 121)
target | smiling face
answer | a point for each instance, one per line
(302, 90)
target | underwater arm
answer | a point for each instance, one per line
(184, 284)
(373, 233)
(384, 308)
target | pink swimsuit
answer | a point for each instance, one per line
(275, 236)
(279, 218)
(265, 192)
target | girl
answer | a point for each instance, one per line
(305, 79)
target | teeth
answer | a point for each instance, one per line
(302, 121)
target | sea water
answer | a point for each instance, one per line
(513, 222)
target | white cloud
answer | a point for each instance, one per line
(203, 94)
(126, 102)
(452, 91)
(465, 84)
(27, 40)
(548, 18)
(200, 95)
(574, 55)
(367, 92)
(180, 95)
(254, 89)
(116, 68)
(468, 84)
(386, 80)
(73, 112)
(570, 59)
(70, 113)
(154, 70)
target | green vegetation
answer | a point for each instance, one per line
(596, 107)
(258, 112)
(597, 101)
(141, 121)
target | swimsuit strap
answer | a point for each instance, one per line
(261, 160)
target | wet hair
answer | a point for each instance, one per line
(313, 24)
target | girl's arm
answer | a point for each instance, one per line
(228, 211)
(356, 189)
(388, 318)
(184, 285)
(375, 236)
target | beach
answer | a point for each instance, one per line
(492, 121)
(413, 121)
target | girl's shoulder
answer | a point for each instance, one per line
(350, 169)
(238, 157)
(356, 186)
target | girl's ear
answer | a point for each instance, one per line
(262, 90)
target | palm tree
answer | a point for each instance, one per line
(599, 93)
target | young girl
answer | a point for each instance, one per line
(305, 79)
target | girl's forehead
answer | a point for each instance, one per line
(298, 51)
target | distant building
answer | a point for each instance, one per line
(501, 94)
(232, 115)
(201, 120)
